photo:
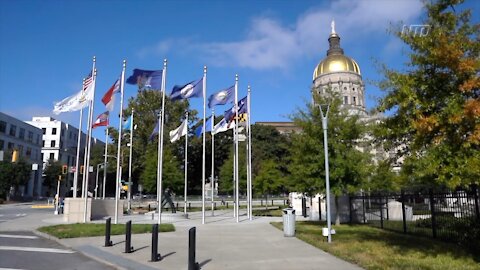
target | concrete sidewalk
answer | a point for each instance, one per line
(222, 243)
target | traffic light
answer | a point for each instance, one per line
(81, 169)
(15, 156)
(64, 169)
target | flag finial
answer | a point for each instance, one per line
(236, 77)
(124, 63)
(165, 62)
(94, 59)
(333, 27)
(204, 69)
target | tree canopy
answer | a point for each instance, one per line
(435, 101)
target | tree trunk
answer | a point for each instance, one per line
(337, 211)
(266, 201)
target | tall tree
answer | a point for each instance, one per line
(52, 170)
(435, 101)
(348, 165)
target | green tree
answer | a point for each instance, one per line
(6, 170)
(435, 100)
(51, 172)
(270, 178)
(171, 174)
(348, 165)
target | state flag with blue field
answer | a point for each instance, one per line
(189, 90)
(199, 130)
(146, 79)
(222, 97)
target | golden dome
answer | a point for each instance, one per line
(336, 63)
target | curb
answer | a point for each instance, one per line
(59, 241)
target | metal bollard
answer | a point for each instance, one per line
(108, 243)
(128, 237)
(189, 206)
(192, 264)
(149, 208)
(155, 255)
(227, 205)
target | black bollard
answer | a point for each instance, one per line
(128, 237)
(192, 264)
(149, 208)
(155, 255)
(108, 243)
(189, 206)
(227, 205)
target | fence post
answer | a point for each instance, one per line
(403, 212)
(108, 224)
(192, 264)
(155, 255)
(128, 237)
(475, 194)
(350, 208)
(363, 206)
(381, 213)
(432, 211)
(304, 207)
(319, 208)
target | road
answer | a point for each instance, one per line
(22, 249)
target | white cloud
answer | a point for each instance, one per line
(270, 45)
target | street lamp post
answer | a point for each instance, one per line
(327, 173)
(101, 165)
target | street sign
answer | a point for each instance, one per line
(34, 166)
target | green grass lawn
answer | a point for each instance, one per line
(373, 248)
(90, 229)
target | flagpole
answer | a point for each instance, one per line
(129, 191)
(203, 150)
(236, 150)
(119, 142)
(90, 121)
(186, 164)
(212, 180)
(160, 143)
(77, 161)
(105, 162)
(234, 188)
(249, 173)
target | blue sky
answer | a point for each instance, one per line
(47, 47)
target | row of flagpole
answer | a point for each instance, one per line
(77, 102)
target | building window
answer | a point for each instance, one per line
(44, 130)
(21, 134)
(3, 126)
(29, 152)
(52, 143)
(354, 100)
(52, 156)
(20, 149)
(10, 146)
(42, 156)
(43, 143)
(54, 131)
(2, 144)
(30, 136)
(345, 100)
(13, 130)
(38, 139)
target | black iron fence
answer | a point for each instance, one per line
(451, 216)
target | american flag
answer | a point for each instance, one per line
(87, 81)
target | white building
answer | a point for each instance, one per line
(26, 139)
(59, 142)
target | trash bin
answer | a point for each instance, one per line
(288, 222)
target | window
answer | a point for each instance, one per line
(354, 100)
(43, 143)
(52, 143)
(42, 156)
(345, 100)
(28, 153)
(20, 149)
(1, 145)
(30, 136)
(52, 156)
(3, 126)
(10, 146)
(21, 135)
(44, 130)
(13, 130)
(54, 131)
